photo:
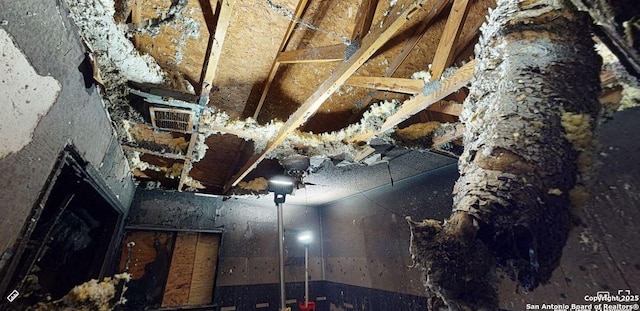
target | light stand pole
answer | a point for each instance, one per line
(281, 186)
(306, 237)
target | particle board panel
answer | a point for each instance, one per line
(253, 40)
(204, 269)
(180, 43)
(143, 252)
(176, 292)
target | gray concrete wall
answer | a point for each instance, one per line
(75, 114)
(366, 237)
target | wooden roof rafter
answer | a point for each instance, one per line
(302, 4)
(215, 44)
(330, 53)
(446, 46)
(370, 44)
(364, 18)
(445, 87)
(411, 43)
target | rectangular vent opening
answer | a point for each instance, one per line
(172, 119)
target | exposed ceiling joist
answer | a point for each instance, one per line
(370, 44)
(446, 46)
(214, 48)
(187, 162)
(445, 86)
(398, 85)
(447, 107)
(167, 155)
(329, 53)
(410, 43)
(460, 78)
(276, 64)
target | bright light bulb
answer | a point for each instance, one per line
(305, 237)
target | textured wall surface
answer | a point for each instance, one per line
(366, 237)
(51, 45)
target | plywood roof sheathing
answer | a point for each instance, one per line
(215, 46)
(446, 46)
(329, 53)
(276, 64)
(370, 44)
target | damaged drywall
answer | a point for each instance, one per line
(27, 97)
(116, 56)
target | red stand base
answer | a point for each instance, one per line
(309, 307)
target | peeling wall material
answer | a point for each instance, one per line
(27, 97)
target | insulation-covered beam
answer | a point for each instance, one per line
(446, 46)
(329, 53)
(302, 4)
(214, 49)
(167, 155)
(370, 44)
(528, 136)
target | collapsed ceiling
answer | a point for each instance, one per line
(216, 96)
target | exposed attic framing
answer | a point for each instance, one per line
(363, 44)
(302, 4)
(370, 44)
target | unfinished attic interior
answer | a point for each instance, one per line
(443, 154)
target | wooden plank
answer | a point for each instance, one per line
(447, 136)
(412, 106)
(274, 67)
(446, 46)
(176, 291)
(204, 269)
(364, 18)
(209, 8)
(408, 46)
(154, 153)
(143, 252)
(398, 85)
(187, 162)
(447, 86)
(329, 53)
(419, 32)
(216, 41)
(370, 44)
(136, 17)
(447, 107)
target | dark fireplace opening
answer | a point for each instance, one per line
(71, 237)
